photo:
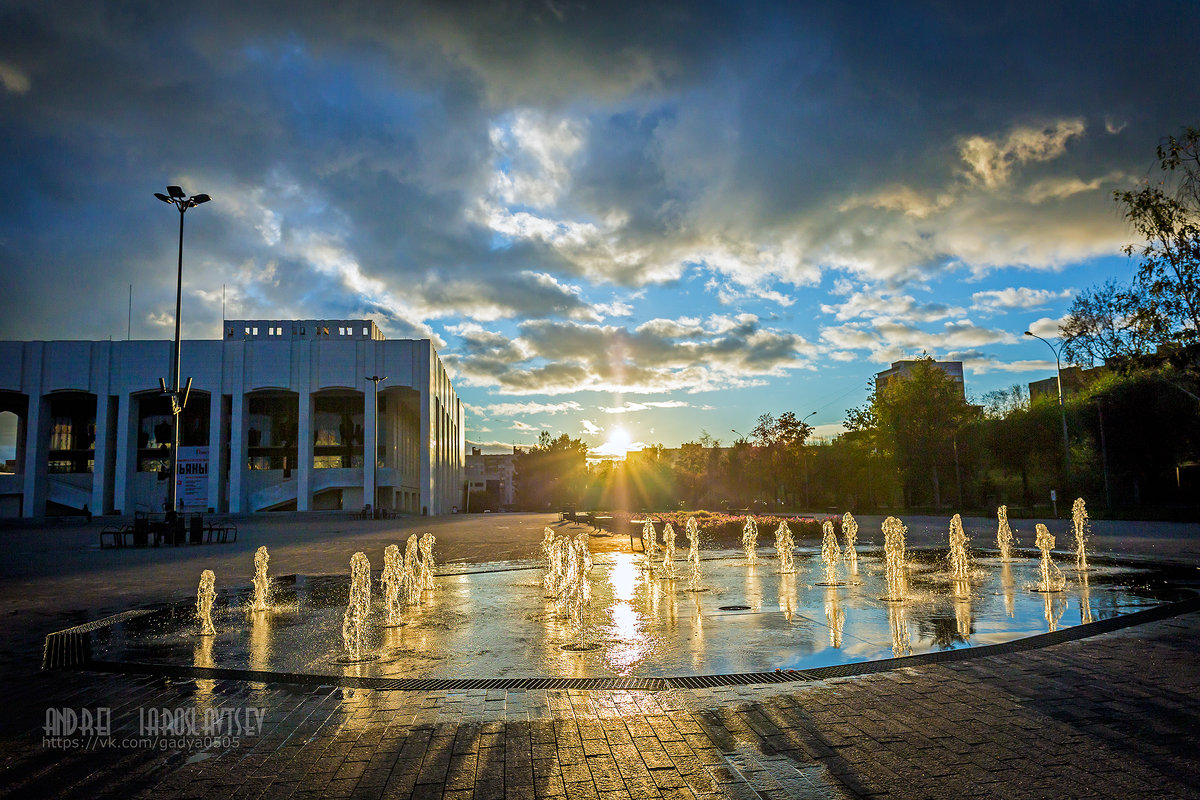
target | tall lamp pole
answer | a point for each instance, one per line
(375, 379)
(177, 197)
(1061, 408)
(805, 461)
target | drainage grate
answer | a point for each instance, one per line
(733, 608)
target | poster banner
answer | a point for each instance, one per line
(191, 485)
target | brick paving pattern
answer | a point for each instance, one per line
(1108, 716)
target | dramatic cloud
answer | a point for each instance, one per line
(1017, 297)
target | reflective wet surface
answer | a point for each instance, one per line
(496, 622)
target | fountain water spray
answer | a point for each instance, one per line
(359, 607)
(668, 552)
(831, 554)
(649, 542)
(1079, 521)
(425, 579)
(262, 584)
(576, 593)
(784, 545)
(693, 535)
(893, 551)
(410, 581)
(206, 593)
(1004, 534)
(960, 559)
(391, 580)
(552, 556)
(1052, 578)
(850, 537)
(750, 539)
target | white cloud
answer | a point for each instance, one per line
(1047, 328)
(589, 427)
(991, 161)
(1016, 297)
(872, 305)
(631, 407)
(513, 409)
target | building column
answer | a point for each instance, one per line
(424, 453)
(237, 450)
(370, 444)
(37, 450)
(214, 448)
(100, 453)
(304, 451)
(126, 452)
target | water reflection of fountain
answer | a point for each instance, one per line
(1007, 587)
(835, 616)
(1079, 523)
(354, 622)
(693, 536)
(787, 595)
(754, 593)
(1052, 579)
(262, 584)
(1004, 534)
(962, 608)
(850, 537)
(785, 546)
(668, 552)
(894, 566)
(260, 640)
(1085, 599)
(202, 656)
(750, 539)
(898, 624)
(1054, 608)
(206, 593)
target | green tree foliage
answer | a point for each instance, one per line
(1111, 321)
(920, 418)
(551, 474)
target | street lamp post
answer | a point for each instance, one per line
(177, 197)
(1061, 408)
(375, 379)
(805, 461)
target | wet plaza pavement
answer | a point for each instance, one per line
(1110, 715)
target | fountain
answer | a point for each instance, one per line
(425, 578)
(1079, 521)
(649, 543)
(831, 554)
(785, 546)
(693, 535)
(552, 562)
(668, 552)
(850, 537)
(959, 558)
(410, 585)
(1052, 578)
(1004, 534)
(750, 540)
(358, 609)
(576, 593)
(893, 549)
(205, 594)
(262, 584)
(391, 580)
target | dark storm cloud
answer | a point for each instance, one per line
(353, 148)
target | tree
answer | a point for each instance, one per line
(919, 418)
(551, 474)
(1167, 217)
(1111, 321)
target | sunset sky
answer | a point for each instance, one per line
(659, 217)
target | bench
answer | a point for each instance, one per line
(117, 535)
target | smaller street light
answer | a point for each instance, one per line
(1061, 408)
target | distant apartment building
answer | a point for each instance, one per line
(1074, 380)
(491, 480)
(280, 416)
(902, 369)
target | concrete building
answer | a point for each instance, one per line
(280, 417)
(491, 478)
(902, 369)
